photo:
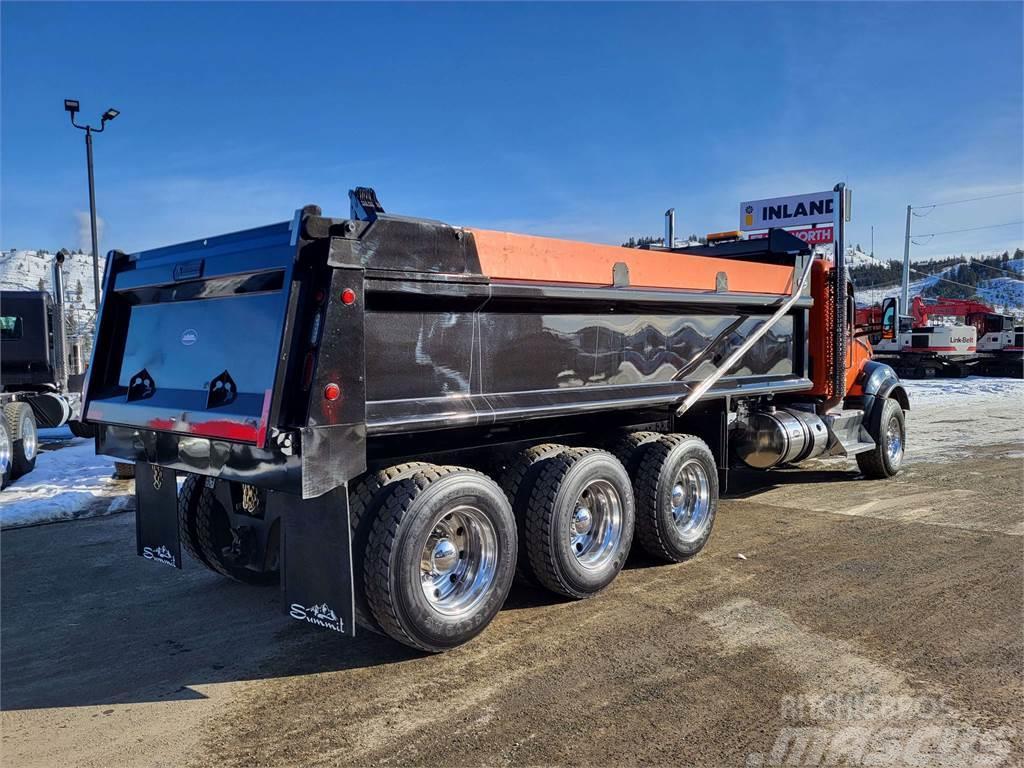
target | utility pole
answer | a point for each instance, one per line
(71, 107)
(905, 294)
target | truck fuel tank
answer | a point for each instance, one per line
(767, 438)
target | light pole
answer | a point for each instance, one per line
(71, 107)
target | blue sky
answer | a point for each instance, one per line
(572, 120)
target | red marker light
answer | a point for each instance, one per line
(332, 391)
(348, 296)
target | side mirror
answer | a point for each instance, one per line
(890, 315)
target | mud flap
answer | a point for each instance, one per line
(316, 559)
(156, 514)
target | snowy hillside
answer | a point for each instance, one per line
(22, 270)
(855, 258)
(1005, 294)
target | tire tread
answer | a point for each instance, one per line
(538, 521)
(365, 497)
(511, 481)
(645, 489)
(377, 566)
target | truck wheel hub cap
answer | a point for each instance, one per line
(29, 436)
(894, 442)
(459, 561)
(690, 500)
(445, 556)
(595, 529)
(582, 521)
(5, 453)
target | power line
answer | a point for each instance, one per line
(969, 200)
(946, 280)
(895, 287)
(969, 229)
(1017, 275)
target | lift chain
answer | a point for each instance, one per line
(158, 477)
(250, 498)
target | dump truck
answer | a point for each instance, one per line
(395, 417)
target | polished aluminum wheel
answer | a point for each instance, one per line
(596, 527)
(690, 499)
(29, 434)
(459, 561)
(894, 442)
(5, 449)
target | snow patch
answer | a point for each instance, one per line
(948, 417)
(67, 483)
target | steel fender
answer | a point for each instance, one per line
(881, 383)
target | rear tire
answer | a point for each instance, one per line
(124, 470)
(188, 502)
(364, 502)
(677, 497)
(579, 522)
(78, 429)
(441, 558)
(517, 481)
(24, 437)
(630, 449)
(889, 431)
(5, 455)
(206, 532)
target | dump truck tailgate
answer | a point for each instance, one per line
(192, 336)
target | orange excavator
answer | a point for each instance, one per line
(982, 341)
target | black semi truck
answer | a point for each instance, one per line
(40, 374)
(394, 416)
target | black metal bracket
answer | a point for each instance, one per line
(222, 391)
(364, 203)
(140, 386)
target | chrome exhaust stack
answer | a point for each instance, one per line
(60, 339)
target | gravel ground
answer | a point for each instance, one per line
(880, 620)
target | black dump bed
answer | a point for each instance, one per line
(294, 355)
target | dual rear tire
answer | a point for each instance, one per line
(19, 442)
(438, 547)
(208, 529)
(440, 558)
